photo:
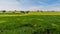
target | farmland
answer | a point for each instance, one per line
(31, 23)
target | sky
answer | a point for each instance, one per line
(30, 5)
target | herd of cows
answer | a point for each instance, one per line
(4, 11)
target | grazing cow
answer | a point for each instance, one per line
(3, 11)
(27, 11)
(22, 12)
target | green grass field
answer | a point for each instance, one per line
(31, 23)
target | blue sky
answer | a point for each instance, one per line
(30, 5)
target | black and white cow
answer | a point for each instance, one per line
(4, 11)
(22, 12)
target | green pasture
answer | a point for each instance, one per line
(31, 23)
(30, 13)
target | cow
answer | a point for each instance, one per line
(27, 11)
(4, 11)
(22, 12)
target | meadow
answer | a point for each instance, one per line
(31, 23)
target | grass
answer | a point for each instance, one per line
(31, 13)
(33, 22)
